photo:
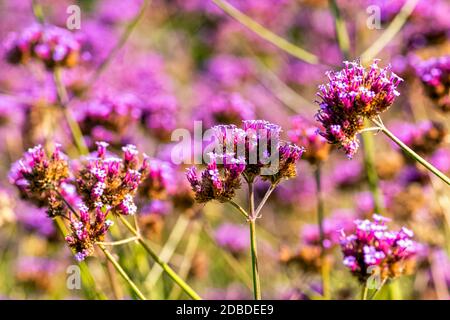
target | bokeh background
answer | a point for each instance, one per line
(187, 60)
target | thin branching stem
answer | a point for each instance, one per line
(167, 269)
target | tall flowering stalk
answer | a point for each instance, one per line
(373, 252)
(355, 94)
(251, 152)
(105, 186)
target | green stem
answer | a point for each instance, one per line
(266, 34)
(256, 283)
(412, 154)
(123, 39)
(320, 216)
(86, 275)
(168, 250)
(364, 292)
(253, 246)
(372, 176)
(264, 199)
(188, 257)
(122, 272)
(240, 209)
(391, 31)
(167, 269)
(119, 242)
(37, 11)
(341, 30)
(73, 125)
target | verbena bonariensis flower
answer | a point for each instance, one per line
(307, 135)
(262, 145)
(244, 152)
(424, 137)
(106, 181)
(435, 76)
(53, 46)
(87, 229)
(38, 177)
(374, 248)
(219, 180)
(352, 95)
(233, 238)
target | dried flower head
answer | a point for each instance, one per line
(374, 248)
(255, 150)
(352, 95)
(53, 46)
(105, 181)
(219, 180)
(87, 229)
(38, 176)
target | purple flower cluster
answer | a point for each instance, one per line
(307, 135)
(233, 237)
(374, 245)
(352, 95)
(87, 229)
(55, 47)
(109, 182)
(244, 152)
(435, 76)
(219, 180)
(38, 176)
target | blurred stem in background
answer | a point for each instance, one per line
(372, 176)
(324, 263)
(177, 233)
(167, 269)
(368, 143)
(391, 31)
(188, 257)
(122, 272)
(340, 29)
(411, 152)
(266, 34)
(73, 124)
(122, 41)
